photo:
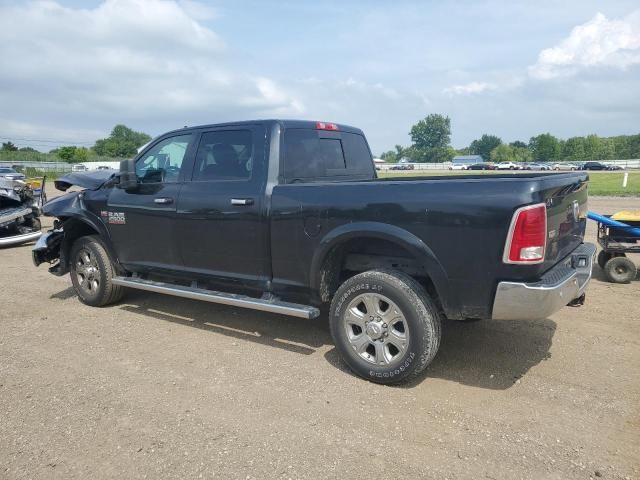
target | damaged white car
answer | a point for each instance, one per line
(20, 206)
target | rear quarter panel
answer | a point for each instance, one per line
(463, 221)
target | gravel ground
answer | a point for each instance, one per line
(159, 387)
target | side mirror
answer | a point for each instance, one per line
(127, 176)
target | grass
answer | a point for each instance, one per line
(600, 183)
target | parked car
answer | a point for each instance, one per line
(614, 167)
(482, 166)
(565, 166)
(10, 174)
(459, 166)
(402, 166)
(288, 216)
(537, 166)
(508, 166)
(594, 166)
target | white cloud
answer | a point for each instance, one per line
(469, 88)
(124, 61)
(600, 42)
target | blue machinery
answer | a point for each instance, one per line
(627, 229)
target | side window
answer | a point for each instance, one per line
(359, 160)
(308, 155)
(224, 155)
(163, 162)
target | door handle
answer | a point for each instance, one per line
(242, 201)
(163, 200)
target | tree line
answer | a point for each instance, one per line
(123, 142)
(431, 142)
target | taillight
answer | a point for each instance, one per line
(527, 235)
(326, 126)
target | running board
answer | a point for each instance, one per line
(194, 293)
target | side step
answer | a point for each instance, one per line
(194, 293)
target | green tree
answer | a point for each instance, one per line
(545, 148)
(503, 153)
(9, 147)
(27, 149)
(573, 149)
(389, 156)
(81, 155)
(522, 154)
(607, 149)
(519, 144)
(484, 145)
(431, 139)
(123, 142)
(66, 153)
(592, 147)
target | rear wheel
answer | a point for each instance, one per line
(620, 270)
(92, 272)
(385, 326)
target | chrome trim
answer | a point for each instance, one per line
(534, 301)
(17, 239)
(284, 308)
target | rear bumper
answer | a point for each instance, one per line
(559, 286)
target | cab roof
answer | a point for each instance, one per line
(310, 124)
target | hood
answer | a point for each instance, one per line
(89, 180)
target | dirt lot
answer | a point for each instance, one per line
(159, 387)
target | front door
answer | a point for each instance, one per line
(142, 222)
(220, 212)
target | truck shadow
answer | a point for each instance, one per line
(278, 331)
(487, 354)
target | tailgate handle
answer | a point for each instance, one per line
(242, 201)
(163, 200)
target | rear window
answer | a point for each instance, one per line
(314, 155)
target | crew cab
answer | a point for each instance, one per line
(288, 216)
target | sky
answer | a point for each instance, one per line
(71, 70)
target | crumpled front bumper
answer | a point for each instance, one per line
(48, 249)
(558, 287)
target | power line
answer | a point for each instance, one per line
(41, 141)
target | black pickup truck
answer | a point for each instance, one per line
(287, 216)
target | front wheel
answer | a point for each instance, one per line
(92, 272)
(385, 326)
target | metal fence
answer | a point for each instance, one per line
(626, 164)
(40, 166)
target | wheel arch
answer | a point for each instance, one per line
(327, 260)
(81, 225)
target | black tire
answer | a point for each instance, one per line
(92, 272)
(603, 258)
(620, 270)
(420, 320)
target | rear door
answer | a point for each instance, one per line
(142, 223)
(220, 213)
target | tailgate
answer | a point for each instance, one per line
(566, 217)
